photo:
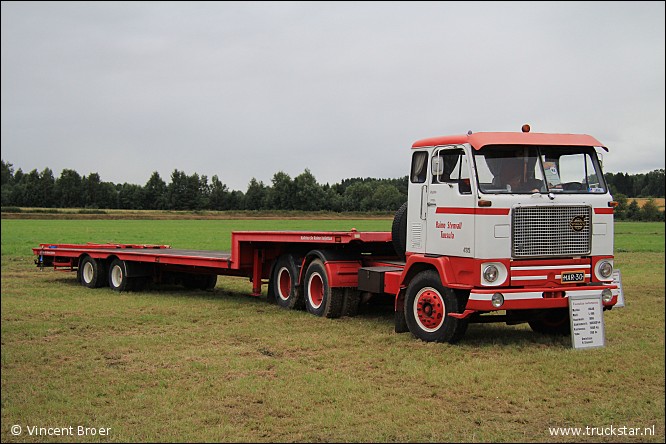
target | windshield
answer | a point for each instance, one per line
(534, 169)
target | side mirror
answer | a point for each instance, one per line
(437, 166)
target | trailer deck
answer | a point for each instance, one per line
(251, 253)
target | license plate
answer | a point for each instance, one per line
(572, 277)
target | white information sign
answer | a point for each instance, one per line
(617, 280)
(586, 314)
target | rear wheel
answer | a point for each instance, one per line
(204, 282)
(118, 279)
(427, 305)
(92, 273)
(351, 302)
(320, 298)
(286, 292)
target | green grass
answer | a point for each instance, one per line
(172, 365)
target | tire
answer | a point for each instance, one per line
(320, 298)
(399, 231)
(205, 282)
(209, 282)
(286, 292)
(351, 302)
(427, 304)
(118, 280)
(554, 322)
(92, 273)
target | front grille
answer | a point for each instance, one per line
(551, 231)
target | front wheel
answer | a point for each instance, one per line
(427, 305)
(553, 322)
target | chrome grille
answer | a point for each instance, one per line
(551, 231)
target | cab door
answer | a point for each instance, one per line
(450, 204)
(417, 207)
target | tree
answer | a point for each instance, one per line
(219, 198)
(386, 197)
(357, 197)
(68, 189)
(177, 192)
(633, 211)
(130, 196)
(155, 193)
(91, 186)
(650, 212)
(281, 195)
(46, 188)
(7, 177)
(255, 197)
(308, 194)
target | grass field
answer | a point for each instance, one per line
(179, 366)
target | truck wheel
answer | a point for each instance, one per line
(118, 279)
(320, 298)
(351, 302)
(204, 282)
(399, 231)
(284, 280)
(554, 322)
(427, 305)
(92, 273)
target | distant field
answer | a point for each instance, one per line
(659, 201)
(176, 366)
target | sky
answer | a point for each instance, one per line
(244, 90)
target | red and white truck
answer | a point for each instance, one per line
(498, 227)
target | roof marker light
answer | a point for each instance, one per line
(526, 128)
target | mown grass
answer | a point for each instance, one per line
(171, 365)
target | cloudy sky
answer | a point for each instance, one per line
(243, 90)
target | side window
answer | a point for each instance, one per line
(451, 166)
(419, 167)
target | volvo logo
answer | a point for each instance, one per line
(577, 223)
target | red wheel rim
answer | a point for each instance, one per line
(316, 290)
(284, 283)
(429, 309)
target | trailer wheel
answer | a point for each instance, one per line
(554, 322)
(427, 305)
(92, 273)
(320, 298)
(118, 279)
(284, 280)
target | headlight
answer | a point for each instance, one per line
(497, 300)
(606, 295)
(605, 269)
(490, 273)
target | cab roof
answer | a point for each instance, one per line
(479, 140)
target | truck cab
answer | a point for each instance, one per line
(510, 222)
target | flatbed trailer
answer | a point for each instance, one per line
(277, 258)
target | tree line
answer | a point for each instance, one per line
(195, 192)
